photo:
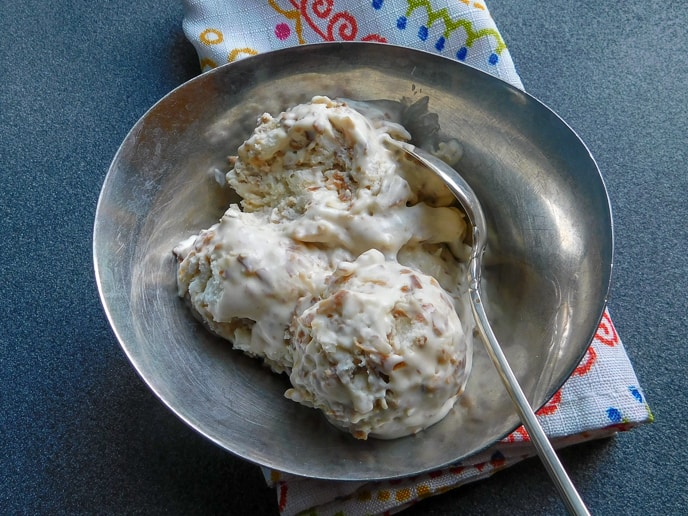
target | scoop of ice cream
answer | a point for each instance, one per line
(382, 352)
(323, 170)
(323, 148)
(243, 277)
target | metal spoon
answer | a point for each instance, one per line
(471, 205)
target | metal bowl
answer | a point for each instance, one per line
(547, 271)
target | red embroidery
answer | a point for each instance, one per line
(282, 31)
(588, 360)
(345, 24)
(283, 496)
(341, 25)
(606, 333)
(551, 406)
(374, 37)
(518, 435)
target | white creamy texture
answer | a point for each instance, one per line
(382, 352)
(243, 277)
(329, 213)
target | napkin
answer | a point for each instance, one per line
(602, 396)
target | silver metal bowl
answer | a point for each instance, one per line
(547, 270)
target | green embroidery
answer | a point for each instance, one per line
(451, 25)
(650, 415)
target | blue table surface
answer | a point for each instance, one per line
(80, 432)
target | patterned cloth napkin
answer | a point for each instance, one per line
(601, 397)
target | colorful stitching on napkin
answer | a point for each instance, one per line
(451, 26)
(606, 346)
(457, 29)
(324, 20)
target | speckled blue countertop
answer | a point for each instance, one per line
(80, 432)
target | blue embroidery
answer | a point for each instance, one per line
(636, 393)
(423, 32)
(451, 25)
(496, 456)
(377, 4)
(614, 415)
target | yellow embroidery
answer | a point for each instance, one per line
(423, 490)
(211, 37)
(236, 53)
(207, 63)
(383, 495)
(403, 495)
(475, 4)
(450, 25)
(295, 15)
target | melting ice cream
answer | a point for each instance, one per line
(341, 268)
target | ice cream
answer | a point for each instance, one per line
(244, 277)
(340, 269)
(381, 351)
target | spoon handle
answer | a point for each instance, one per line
(567, 490)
